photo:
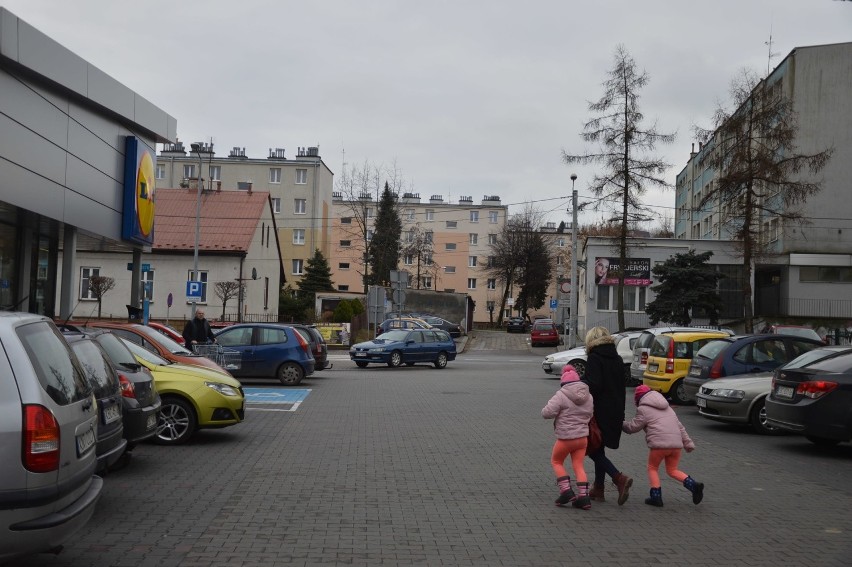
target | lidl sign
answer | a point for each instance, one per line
(137, 223)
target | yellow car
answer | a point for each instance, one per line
(193, 397)
(669, 359)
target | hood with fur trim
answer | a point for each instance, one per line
(605, 340)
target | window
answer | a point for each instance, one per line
(161, 171)
(825, 274)
(188, 170)
(216, 173)
(429, 236)
(346, 220)
(298, 265)
(471, 261)
(492, 217)
(430, 214)
(452, 224)
(409, 236)
(344, 287)
(450, 246)
(492, 239)
(634, 298)
(299, 206)
(301, 176)
(427, 259)
(276, 205)
(491, 284)
(298, 236)
(474, 216)
(427, 282)
(275, 175)
(202, 277)
(408, 259)
(369, 235)
(560, 242)
(409, 214)
(449, 269)
(345, 243)
(491, 261)
(86, 274)
(148, 285)
(474, 238)
(368, 212)
(471, 283)
(343, 265)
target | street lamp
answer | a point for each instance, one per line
(572, 331)
(200, 149)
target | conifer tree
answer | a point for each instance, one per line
(385, 246)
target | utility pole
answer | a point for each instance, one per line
(572, 332)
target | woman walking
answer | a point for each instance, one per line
(605, 377)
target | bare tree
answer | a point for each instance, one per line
(99, 285)
(760, 173)
(417, 244)
(226, 291)
(625, 152)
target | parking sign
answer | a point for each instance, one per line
(193, 291)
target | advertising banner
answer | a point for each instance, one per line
(636, 273)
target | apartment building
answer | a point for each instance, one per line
(445, 246)
(808, 271)
(300, 187)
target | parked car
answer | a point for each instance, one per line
(406, 346)
(48, 433)
(576, 357)
(516, 324)
(814, 400)
(669, 360)
(643, 344)
(544, 333)
(741, 399)
(193, 397)
(744, 354)
(156, 342)
(319, 348)
(401, 323)
(269, 350)
(795, 330)
(169, 332)
(454, 329)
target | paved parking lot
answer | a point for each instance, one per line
(408, 466)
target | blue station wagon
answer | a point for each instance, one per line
(403, 346)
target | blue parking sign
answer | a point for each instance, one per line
(193, 290)
(553, 304)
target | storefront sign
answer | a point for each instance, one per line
(137, 223)
(636, 273)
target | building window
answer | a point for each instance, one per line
(491, 261)
(427, 282)
(345, 220)
(491, 284)
(429, 236)
(161, 171)
(427, 259)
(301, 176)
(634, 298)
(471, 283)
(471, 261)
(408, 259)
(474, 238)
(275, 175)
(825, 274)
(216, 173)
(474, 216)
(276, 205)
(560, 242)
(86, 275)
(368, 212)
(409, 214)
(343, 287)
(449, 269)
(188, 170)
(409, 236)
(298, 236)
(430, 214)
(492, 217)
(492, 239)
(343, 265)
(148, 285)
(345, 243)
(369, 235)
(300, 206)
(450, 246)
(202, 277)
(452, 224)
(298, 265)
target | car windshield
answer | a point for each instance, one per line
(711, 349)
(395, 335)
(799, 332)
(145, 354)
(164, 341)
(115, 349)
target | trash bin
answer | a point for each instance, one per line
(134, 314)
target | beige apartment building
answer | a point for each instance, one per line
(300, 187)
(454, 244)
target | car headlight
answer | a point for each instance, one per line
(728, 393)
(548, 359)
(377, 349)
(223, 389)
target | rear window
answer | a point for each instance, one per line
(711, 349)
(660, 346)
(52, 361)
(543, 327)
(97, 369)
(836, 364)
(115, 349)
(645, 340)
(810, 358)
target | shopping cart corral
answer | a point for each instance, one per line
(227, 359)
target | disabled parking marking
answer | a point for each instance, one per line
(274, 399)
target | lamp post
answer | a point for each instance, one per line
(198, 148)
(572, 331)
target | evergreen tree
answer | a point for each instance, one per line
(384, 248)
(317, 277)
(687, 287)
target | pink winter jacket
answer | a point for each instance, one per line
(663, 429)
(572, 408)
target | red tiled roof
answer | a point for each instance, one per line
(228, 219)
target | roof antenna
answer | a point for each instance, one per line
(770, 54)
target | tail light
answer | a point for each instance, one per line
(126, 385)
(303, 343)
(815, 389)
(41, 440)
(644, 358)
(670, 358)
(716, 369)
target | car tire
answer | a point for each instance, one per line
(678, 393)
(579, 366)
(177, 421)
(361, 364)
(290, 374)
(395, 359)
(441, 361)
(757, 419)
(822, 441)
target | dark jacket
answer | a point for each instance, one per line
(605, 377)
(198, 331)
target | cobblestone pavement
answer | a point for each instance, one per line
(418, 466)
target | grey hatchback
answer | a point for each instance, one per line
(48, 432)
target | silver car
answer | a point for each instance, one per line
(48, 434)
(576, 357)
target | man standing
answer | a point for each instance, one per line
(198, 331)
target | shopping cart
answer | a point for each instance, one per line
(227, 359)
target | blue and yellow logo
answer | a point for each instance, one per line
(139, 187)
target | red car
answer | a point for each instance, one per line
(168, 331)
(544, 333)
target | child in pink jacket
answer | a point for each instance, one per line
(571, 408)
(666, 437)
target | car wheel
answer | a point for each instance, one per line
(361, 364)
(579, 366)
(177, 421)
(441, 361)
(757, 418)
(395, 359)
(822, 441)
(678, 393)
(290, 374)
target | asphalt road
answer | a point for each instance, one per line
(407, 466)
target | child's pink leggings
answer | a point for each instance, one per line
(672, 458)
(577, 449)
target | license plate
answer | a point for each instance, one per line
(653, 367)
(701, 402)
(546, 367)
(85, 441)
(360, 354)
(695, 371)
(784, 392)
(152, 422)
(111, 413)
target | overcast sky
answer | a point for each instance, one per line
(464, 97)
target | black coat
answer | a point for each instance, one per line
(198, 331)
(605, 377)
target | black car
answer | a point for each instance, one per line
(516, 324)
(454, 329)
(815, 400)
(319, 348)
